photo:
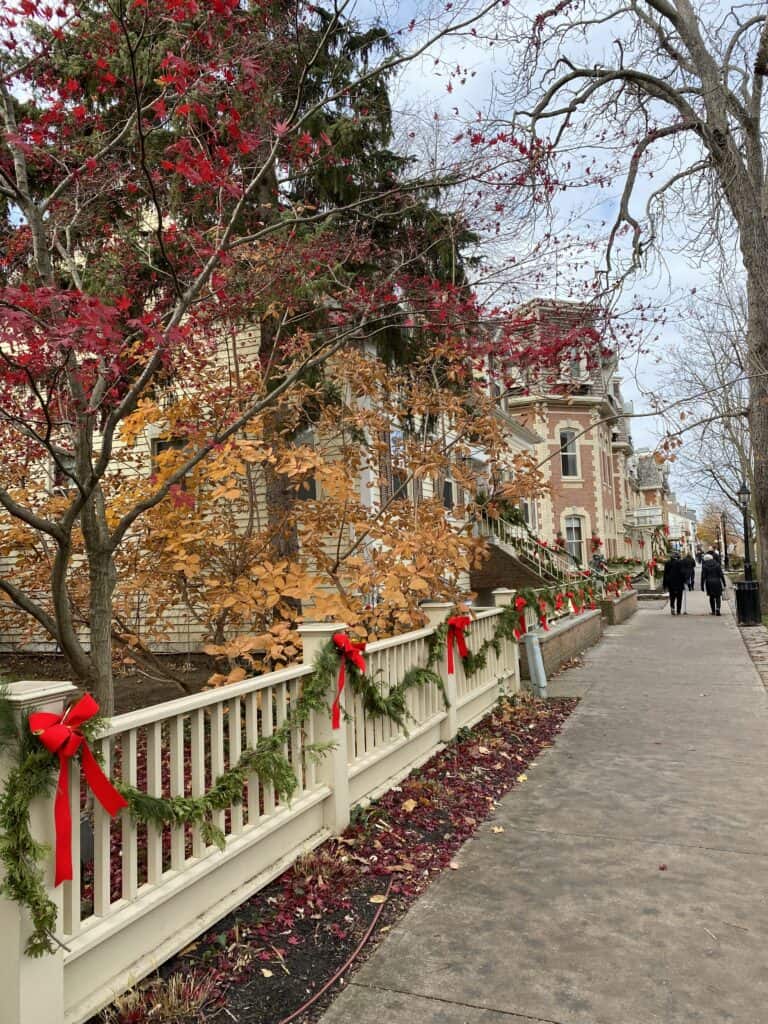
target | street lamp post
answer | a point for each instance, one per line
(747, 590)
(726, 559)
(744, 496)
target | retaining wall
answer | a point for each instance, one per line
(619, 609)
(565, 639)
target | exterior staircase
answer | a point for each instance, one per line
(518, 559)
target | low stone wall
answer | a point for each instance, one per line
(619, 609)
(565, 638)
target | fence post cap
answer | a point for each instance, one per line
(436, 611)
(26, 693)
(319, 628)
(315, 634)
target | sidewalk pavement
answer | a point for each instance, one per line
(630, 884)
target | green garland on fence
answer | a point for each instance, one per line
(506, 624)
(508, 621)
(34, 776)
(20, 854)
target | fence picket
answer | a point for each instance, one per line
(197, 754)
(217, 754)
(129, 758)
(154, 788)
(72, 907)
(178, 854)
(234, 735)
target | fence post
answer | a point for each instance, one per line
(437, 612)
(32, 988)
(333, 769)
(502, 598)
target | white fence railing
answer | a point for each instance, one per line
(145, 892)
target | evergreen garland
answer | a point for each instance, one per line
(20, 854)
(506, 624)
(34, 776)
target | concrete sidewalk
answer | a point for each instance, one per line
(630, 885)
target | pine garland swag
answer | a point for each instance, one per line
(22, 856)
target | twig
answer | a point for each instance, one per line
(344, 967)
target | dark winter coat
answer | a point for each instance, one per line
(675, 575)
(712, 578)
(690, 568)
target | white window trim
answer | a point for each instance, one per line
(569, 478)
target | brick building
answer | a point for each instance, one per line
(580, 415)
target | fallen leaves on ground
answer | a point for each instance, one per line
(279, 947)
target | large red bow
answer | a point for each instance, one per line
(347, 650)
(457, 625)
(58, 733)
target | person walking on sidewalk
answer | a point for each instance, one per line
(690, 567)
(713, 581)
(675, 577)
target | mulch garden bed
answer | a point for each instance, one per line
(265, 962)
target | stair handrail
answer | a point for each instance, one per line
(547, 561)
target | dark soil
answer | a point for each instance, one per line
(133, 689)
(263, 962)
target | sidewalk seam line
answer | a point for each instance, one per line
(453, 1002)
(639, 839)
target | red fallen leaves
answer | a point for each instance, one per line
(308, 922)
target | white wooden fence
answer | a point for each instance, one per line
(149, 892)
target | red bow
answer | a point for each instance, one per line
(58, 733)
(457, 624)
(543, 616)
(348, 650)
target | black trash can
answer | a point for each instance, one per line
(748, 603)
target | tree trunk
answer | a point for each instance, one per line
(758, 422)
(102, 579)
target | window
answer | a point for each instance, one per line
(528, 510)
(308, 488)
(568, 456)
(166, 444)
(574, 537)
(448, 494)
(574, 365)
(393, 472)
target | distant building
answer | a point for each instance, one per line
(580, 414)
